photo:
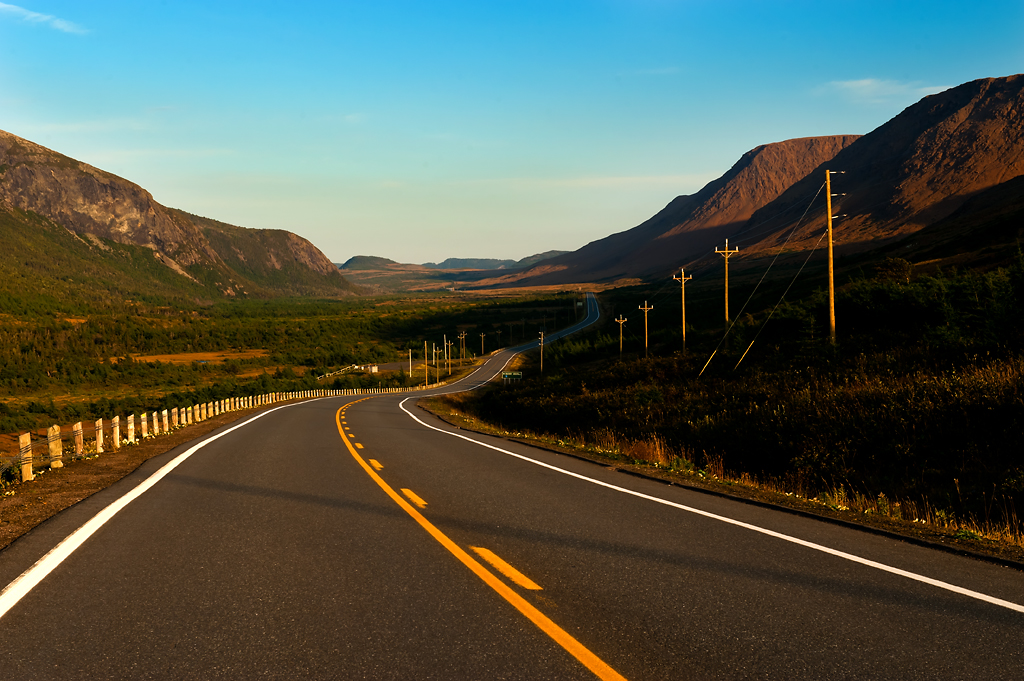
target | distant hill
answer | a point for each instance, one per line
(117, 220)
(366, 262)
(491, 263)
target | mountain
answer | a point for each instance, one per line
(41, 189)
(492, 263)
(916, 170)
(691, 225)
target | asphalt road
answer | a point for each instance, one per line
(361, 538)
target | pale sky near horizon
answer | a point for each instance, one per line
(419, 131)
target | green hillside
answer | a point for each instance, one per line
(44, 268)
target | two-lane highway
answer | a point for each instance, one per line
(361, 538)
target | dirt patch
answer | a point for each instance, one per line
(27, 504)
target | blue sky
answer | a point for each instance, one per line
(424, 130)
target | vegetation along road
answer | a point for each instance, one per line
(357, 537)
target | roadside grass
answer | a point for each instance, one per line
(688, 467)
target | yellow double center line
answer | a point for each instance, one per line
(560, 636)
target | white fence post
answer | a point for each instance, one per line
(99, 436)
(53, 444)
(115, 430)
(25, 445)
(131, 429)
(79, 440)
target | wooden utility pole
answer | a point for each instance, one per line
(410, 363)
(831, 280)
(426, 366)
(621, 320)
(482, 344)
(646, 309)
(682, 279)
(462, 347)
(725, 254)
(542, 352)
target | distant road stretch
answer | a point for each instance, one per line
(362, 538)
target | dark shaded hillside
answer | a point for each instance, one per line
(987, 231)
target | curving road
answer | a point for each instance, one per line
(360, 538)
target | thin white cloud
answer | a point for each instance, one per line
(878, 91)
(597, 181)
(37, 18)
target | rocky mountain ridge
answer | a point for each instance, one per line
(98, 205)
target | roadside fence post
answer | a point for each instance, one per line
(99, 436)
(53, 444)
(144, 425)
(25, 445)
(156, 424)
(165, 417)
(79, 440)
(115, 429)
(131, 429)
(174, 417)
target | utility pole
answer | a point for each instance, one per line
(682, 279)
(462, 347)
(482, 344)
(426, 366)
(410, 362)
(621, 320)
(831, 279)
(725, 254)
(542, 352)
(499, 336)
(646, 309)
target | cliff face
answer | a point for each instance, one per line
(692, 225)
(95, 205)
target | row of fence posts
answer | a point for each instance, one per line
(149, 425)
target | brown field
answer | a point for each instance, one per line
(208, 357)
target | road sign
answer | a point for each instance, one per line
(511, 375)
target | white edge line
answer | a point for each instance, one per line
(771, 533)
(31, 577)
